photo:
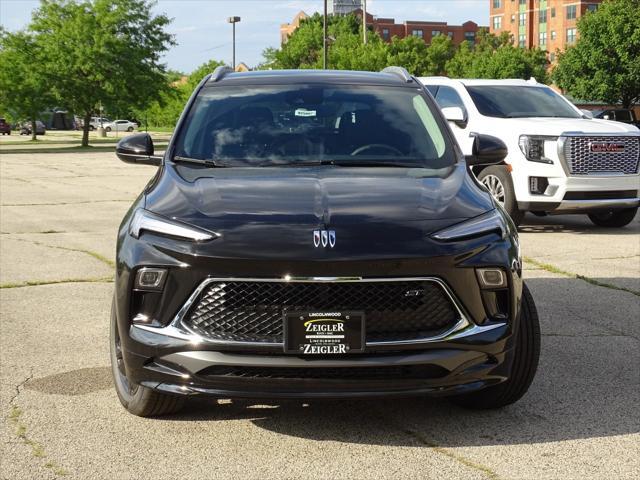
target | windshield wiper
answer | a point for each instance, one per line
(199, 161)
(373, 163)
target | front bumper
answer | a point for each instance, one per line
(476, 361)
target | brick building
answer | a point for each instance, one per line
(387, 28)
(548, 24)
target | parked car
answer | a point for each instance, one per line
(623, 115)
(26, 128)
(120, 126)
(96, 122)
(5, 128)
(559, 160)
(357, 256)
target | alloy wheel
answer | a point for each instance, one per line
(495, 187)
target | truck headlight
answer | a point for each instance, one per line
(532, 146)
(143, 220)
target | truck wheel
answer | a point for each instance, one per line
(91, 128)
(130, 129)
(614, 218)
(139, 400)
(498, 182)
(525, 363)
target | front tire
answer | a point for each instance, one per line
(525, 363)
(139, 400)
(130, 129)
(500, 185)
(614, 218)
(108, 129)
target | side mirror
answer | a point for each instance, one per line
(137, 149)
(487, 150)
(587, 113)
(455, 115)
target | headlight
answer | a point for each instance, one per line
(150, 222)
(533, 147)
(490, 222)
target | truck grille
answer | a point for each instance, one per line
(252, 311)
(592, 155)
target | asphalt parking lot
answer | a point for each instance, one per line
(58, 219)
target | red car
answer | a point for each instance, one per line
(5, 128)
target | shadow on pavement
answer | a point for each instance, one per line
(573, 224)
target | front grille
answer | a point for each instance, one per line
(581, 160)
(252, 311)
(399, 372)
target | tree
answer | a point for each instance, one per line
(604, 64)
(165, 110)
(24, 87)
(102, 52)
(496, 57)
(410, 53)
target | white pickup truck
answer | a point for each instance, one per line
(560, 159)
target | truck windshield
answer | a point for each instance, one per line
(297, 125)
(510, 101)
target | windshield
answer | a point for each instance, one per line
(515, 102)
(305, 124)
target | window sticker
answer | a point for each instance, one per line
(303, 112)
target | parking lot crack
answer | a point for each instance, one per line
(20, 429)
(37, 283)
(91, 253)
(420, 438)
(553, 269)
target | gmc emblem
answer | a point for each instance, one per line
(606, 147)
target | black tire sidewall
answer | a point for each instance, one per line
(615, 218)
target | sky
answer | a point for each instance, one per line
(202, 32)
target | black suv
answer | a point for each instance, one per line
(317, 234)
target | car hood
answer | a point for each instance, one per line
(558, 126)
(278, 208)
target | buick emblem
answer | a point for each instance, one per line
(324, 238)
(606, 147)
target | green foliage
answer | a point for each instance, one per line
(166, 109)
(492, 56)
(604, 64)
(497, 57)
(102, 52)
(24, 85)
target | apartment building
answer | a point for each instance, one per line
(548, 24)
(387, 28)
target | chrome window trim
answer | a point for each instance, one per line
(464, 327)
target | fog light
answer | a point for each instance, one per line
(150, 279)
(538, 185)
(491, 278)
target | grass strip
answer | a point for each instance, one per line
(553, 269)
(36, 283)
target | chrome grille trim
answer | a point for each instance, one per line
(574, 151)
(177, 329)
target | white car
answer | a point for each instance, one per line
(559, 161)
(96, 122)
(120, 126)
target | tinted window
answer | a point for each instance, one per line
(515, 102)
(624, 116)
(285, 125)
(448, 97)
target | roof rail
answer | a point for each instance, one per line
(220, 72)
(400, 72)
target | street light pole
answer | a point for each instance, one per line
(233, 21)
(324, 37)
(364, 21)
